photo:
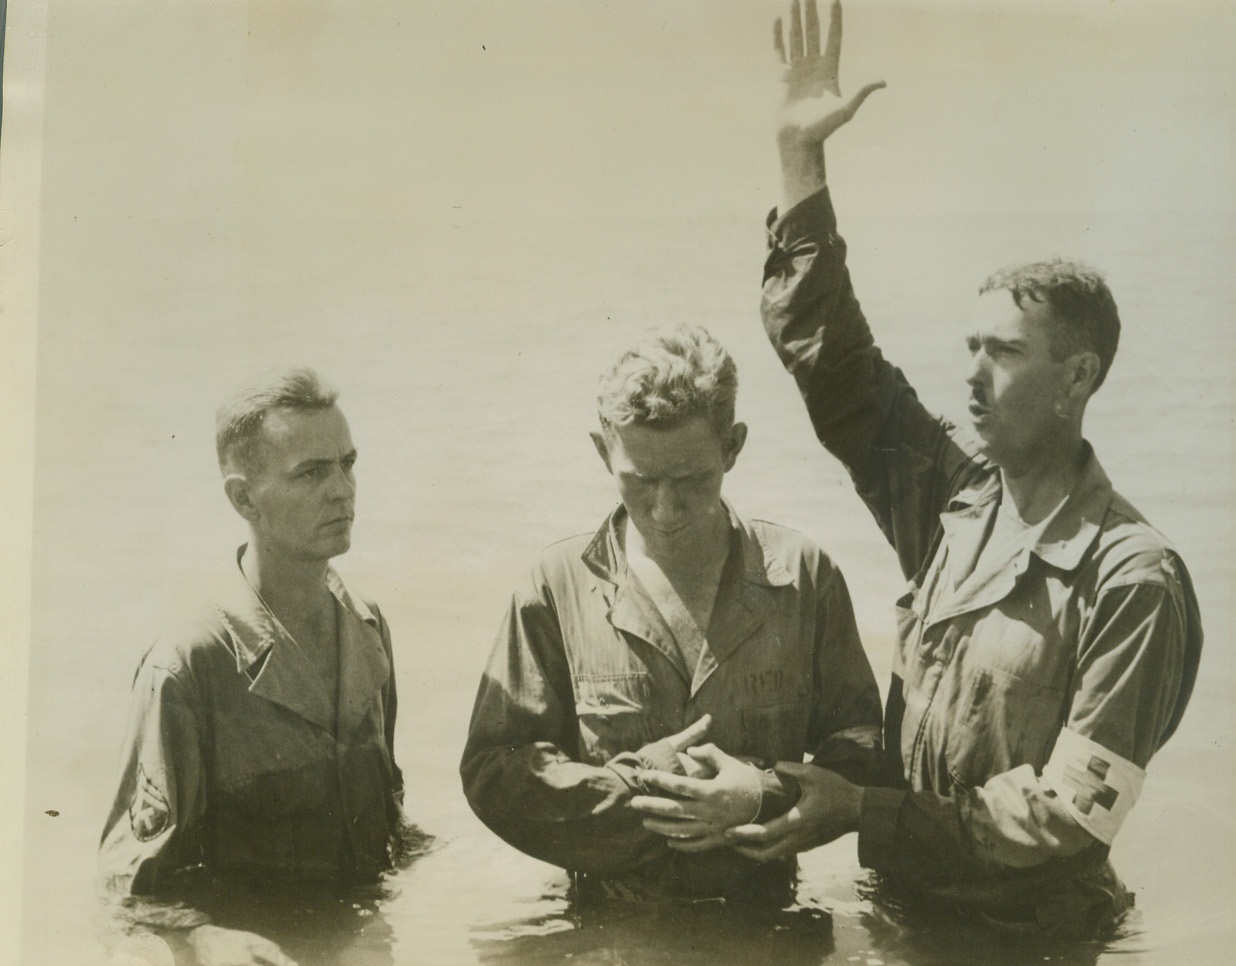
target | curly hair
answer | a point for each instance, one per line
(1082, 306)
(239, 420)
(669, 376)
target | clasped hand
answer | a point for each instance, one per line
(669, 754)
(725, 792)
(828, 807)
(719, 812)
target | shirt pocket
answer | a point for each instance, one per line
(1001, 721)
(615, 713)
(777, 732)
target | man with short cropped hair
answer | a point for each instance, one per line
(259, 747)
(1049, 638)
(676, 623)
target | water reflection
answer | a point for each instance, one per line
(473, 901)
(681, 932)
(315, 926)
(918, 933)
(855, 921)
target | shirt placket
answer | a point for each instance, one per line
(941, 636)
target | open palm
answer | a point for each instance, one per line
(813, 106)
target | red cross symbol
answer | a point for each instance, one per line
(1091, 785)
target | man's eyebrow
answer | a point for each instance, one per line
(321, 461)
(995, 341)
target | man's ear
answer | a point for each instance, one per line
(733, 444)
(1084, 372)
(602, 448)
(240, 495)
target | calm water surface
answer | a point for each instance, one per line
(471, 425)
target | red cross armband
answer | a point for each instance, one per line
(1096, 785)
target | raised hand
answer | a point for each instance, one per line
(813, 107)
(828, 808)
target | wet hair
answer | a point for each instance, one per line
(238, 423)
(668, 377)
(1082, 307)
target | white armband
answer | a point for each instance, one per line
(1096, 785)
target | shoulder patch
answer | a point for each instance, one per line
(149, 814)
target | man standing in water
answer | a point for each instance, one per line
(1050, 638)
(259, 749)
(675, 621)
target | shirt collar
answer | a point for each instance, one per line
(1073, 527)
(604, 555)
(285, 678)
(254, 629)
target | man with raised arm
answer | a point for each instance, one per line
(259, 749)
(1050, 637)
(677, 620)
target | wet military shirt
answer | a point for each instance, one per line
(586, 671)
(236, 764)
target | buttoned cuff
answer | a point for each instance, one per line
(877, 826)
(810, 218)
